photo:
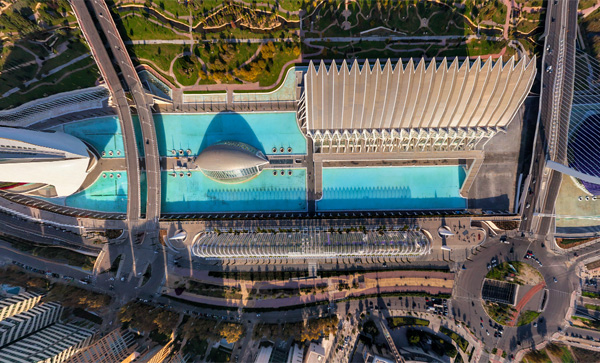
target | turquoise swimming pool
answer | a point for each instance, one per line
(264, 131)
(107, 194)
(265, 193)
(103, 133)
(392, 188)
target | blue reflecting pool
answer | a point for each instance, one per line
(103, 133)
(392, 188)
(107, 194)
(264, 193)
(264, 131)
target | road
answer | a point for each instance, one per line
(140, 230)
(142, 104)
(555, 105)
(111, 78)
(467, 304)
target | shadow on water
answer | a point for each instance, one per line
(229, 126)
(101, 134)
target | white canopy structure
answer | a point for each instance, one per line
(439, 106)
(44, 158)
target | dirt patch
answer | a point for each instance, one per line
(572, 242)
(593, 265)
(529, 275)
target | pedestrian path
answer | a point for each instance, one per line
(521, 304)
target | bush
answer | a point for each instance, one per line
(395, 322)
(462, 343)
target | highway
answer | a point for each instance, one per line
(111, 78)
(142, 104)
(553, 124)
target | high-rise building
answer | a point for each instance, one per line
(296, 354)
(29, 321)
(115, 346)
(315, 354)
(54, 344)
(17, 304)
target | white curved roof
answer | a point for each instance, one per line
(52, 158)
(230, 155)
(434, 95)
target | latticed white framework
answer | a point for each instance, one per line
(312, 243)
(414, 107)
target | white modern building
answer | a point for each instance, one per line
(115, 346)
(17, 304)
(47, 163)
(417, 106)
(315, 353)
(231, 162)
(54, 344)
(264, 354)
(296, 354)
(29, 321)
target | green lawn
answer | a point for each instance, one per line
(160, 54)
(525, 26)
(439, 23)
(592, 307)
(395, 322)
(527, 317)
(138, 27)
(13, 56)
(16, 78)
(187, 70)
(501, 271)
(75, 50)
(584, 4)
(80, 79)
(593, 295)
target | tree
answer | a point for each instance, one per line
(232, 332)
(165, 322)
(413, 337)
(370, 328)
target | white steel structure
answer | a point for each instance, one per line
(44, 158)
(115, 346)
(55, 344)
(440, 106)
(311, 243)
(28, 322)
(17, 304)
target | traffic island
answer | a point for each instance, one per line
(508, 289)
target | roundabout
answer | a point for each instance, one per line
(513, 293)
(468, 305)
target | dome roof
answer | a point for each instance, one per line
(231, 161)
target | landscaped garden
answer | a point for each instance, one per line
(516, 272)
(39, 52)
(500, 313)
(398, 321)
